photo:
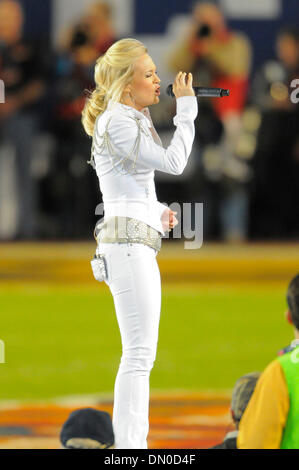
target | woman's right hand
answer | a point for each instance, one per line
(168, 219)
(182, 85)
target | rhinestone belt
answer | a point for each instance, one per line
(120, 229)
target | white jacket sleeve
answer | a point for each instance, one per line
(123, 132)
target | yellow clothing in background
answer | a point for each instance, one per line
(232, 56)
(264, 419)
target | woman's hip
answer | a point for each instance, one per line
(128, 259)
(135, 283)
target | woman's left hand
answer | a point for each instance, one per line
(169, 220)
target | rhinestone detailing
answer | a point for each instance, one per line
(127, 230)
(125, 162)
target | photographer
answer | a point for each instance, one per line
(276, 158)
(71, 186)
(98, 20)
(23, 69)
(220, 58)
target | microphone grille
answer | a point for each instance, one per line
(224, 92)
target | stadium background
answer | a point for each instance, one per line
(222, 305)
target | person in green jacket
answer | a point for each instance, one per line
(271, 419)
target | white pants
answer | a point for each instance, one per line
(135, 283)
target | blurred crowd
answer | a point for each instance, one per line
(247, 145)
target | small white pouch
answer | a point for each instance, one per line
(99, 267)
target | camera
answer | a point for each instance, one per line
(80, 37)
(204, 31)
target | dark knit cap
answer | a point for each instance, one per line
(89, 424)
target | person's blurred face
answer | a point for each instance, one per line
(287, 50)
(205, 13)
(97, 17)
(11, 20)
(98, 12)
(144, 88)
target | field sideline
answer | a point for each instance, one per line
(177, 420)
(69, 262)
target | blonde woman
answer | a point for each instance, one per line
(126, 151)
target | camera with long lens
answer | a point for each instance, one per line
(80, 37)
(203, 31)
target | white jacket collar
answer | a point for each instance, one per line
(143, 114)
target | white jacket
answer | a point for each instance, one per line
(126, 152)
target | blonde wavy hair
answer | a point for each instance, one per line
(113, 72)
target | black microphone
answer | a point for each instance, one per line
(201, 91)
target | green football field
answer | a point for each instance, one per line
(64, 340)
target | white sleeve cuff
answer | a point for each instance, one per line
(187, 105)
(161, 208)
